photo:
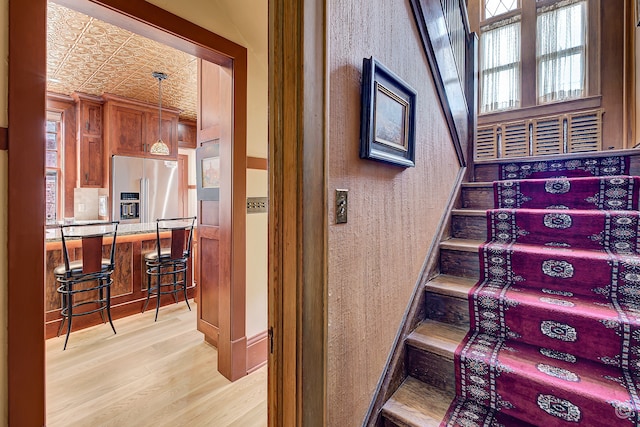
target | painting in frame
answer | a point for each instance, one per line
(387, 126)
(208, 171)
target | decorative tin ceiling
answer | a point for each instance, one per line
(91, 56)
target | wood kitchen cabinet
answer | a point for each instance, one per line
(187, 134)
(132, 127)
(91, 153)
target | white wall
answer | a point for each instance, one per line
(257, 227)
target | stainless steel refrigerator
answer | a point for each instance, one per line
(143, 190)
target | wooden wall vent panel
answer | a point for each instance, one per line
(564, 133)
(515, 139)
(585, 131)
(487, 143)
(547, 136)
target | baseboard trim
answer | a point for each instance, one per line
(257, 348)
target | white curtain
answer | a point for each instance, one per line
(500, 66)
(561, 47)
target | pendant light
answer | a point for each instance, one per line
(159, 147)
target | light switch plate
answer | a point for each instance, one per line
(341, 206)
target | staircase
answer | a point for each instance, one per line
(428, 388)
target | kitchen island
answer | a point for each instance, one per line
(129, 289)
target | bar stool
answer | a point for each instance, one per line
(90, 274)
(171, 261)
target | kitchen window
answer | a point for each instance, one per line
(53, 168)
(532, 52)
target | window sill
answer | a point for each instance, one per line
(550, 109)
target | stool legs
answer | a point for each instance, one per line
(149, 273)
(158, 294)
(104, 303)
(172, 270)
(108, 303)
(69, 318)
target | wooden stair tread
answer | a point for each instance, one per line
(436, 337)
(469, 212)
(465, 245)
(562, 156)
(417, 404)
(477, 185)
(453, 286)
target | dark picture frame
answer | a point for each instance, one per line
(387, 124)
(208, 171)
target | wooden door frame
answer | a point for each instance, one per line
(183, 184)
(26, 100)
(298, 209)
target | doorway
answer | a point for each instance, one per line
(26, 218)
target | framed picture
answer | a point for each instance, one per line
(208, 171)
(387, 125)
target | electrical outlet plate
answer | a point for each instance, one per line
(341, 206)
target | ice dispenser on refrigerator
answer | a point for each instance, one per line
(143, 189)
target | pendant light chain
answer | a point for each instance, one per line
(160, 108)
(159, 147)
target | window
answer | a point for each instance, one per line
(53, 166)
(500, 65)
(498, 7)
(549, 33)
(561, 51)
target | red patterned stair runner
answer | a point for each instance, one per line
(555, 317)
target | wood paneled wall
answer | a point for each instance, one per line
(376, 258)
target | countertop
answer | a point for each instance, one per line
(53, 234)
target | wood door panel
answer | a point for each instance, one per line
(209, 102)
(209, 279)
(210, 213)
(222, 214)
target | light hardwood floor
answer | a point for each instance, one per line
(149, 374)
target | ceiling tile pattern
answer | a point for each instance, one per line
(90, 56)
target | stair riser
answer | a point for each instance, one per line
(487, 173)
(431, 368)
(459, 263)
(477, 198)
(448, 309)
(389, 423)
(469, 227)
